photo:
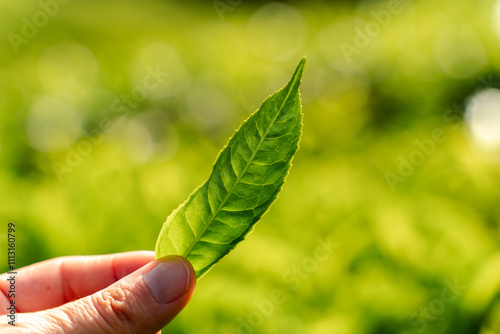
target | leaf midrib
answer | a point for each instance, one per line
(238, 178)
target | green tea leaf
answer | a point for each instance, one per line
(246, 179)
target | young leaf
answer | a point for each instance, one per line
(246, 179)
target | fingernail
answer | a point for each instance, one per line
(168, 280)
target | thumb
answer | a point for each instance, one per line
(142, 302)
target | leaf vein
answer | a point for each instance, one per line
(212, 217)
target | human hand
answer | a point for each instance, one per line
(124, 293)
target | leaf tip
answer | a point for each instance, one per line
(303, 61)
(297, 75)
(300, 68)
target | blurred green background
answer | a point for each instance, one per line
(398, 165)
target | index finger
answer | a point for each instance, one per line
(57, 281)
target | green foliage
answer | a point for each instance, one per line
(246, 179)
(398, 246)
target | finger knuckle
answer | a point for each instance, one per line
(112, 306)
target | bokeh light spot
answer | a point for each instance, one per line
(52, 124)
(495, 17)
(138, 140)
(483, 119)
(207, 107)
(277, 31)
(459, 51)
(163, 59)
(67, 69)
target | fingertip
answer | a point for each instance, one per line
(191, 280)
(172, 278)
